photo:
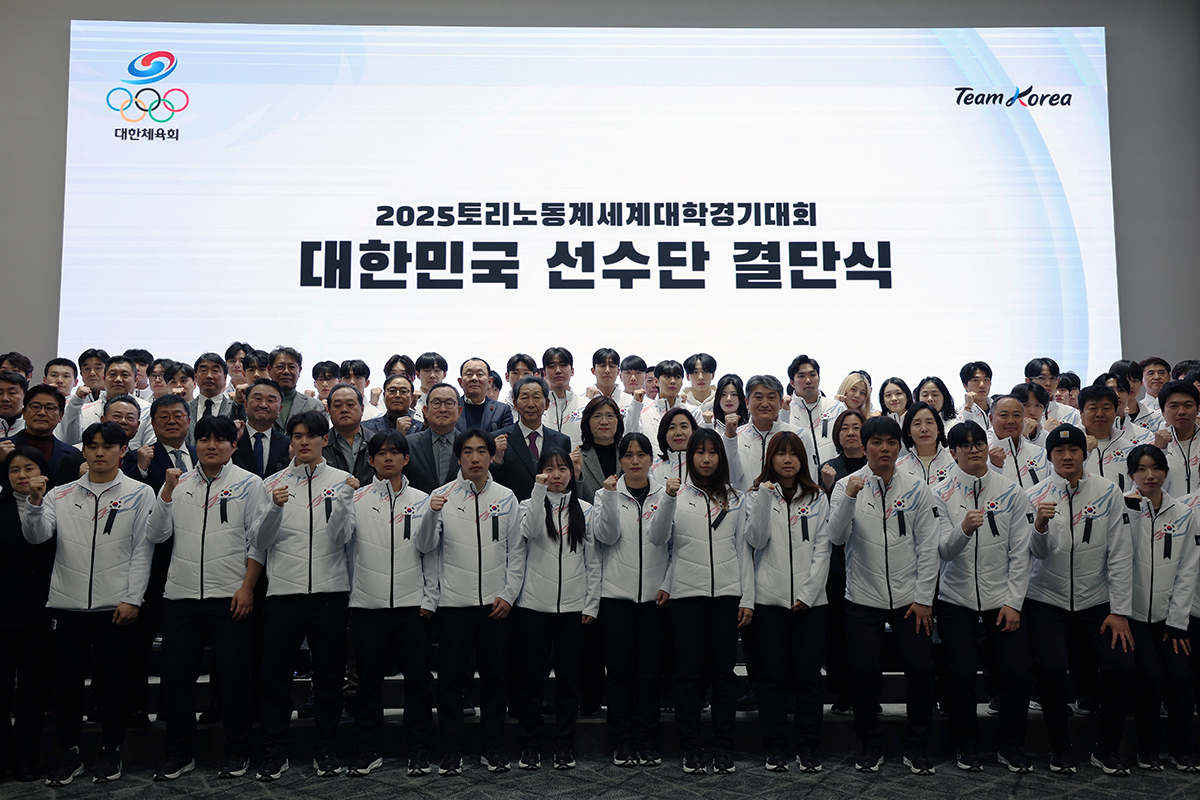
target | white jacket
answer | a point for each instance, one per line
(305, 538)
(708, 546)
(976, 413)
(1166, 559)
(1192, 501)
(645, 419)
(1064, 413)
(1024, 462)
(632, 567)
(791, 548)
(477, 533)
(1109, 457)
(891, 533)
(565, 415)
(817, 419)
(103, 555)
(1147, 419)
(752, 446)
(559, 577)
(1183, 457)
(394, 546)
(1091, 556)
(937, 471)
(213, 523)
(989, 568)
(78, 415)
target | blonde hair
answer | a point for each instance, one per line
(852, 380)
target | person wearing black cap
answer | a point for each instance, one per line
(1084, 586)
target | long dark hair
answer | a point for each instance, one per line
(902, 386)
(948, 411)
(594, 405)
(736, 382)
(576, 524)
(789, 442)
(665, 423)
(717, 486)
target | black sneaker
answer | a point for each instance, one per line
(918, 762)
(418, 764)
(174, 767)
(806, 759)
(869, 760)
(1110, 763)
(777, 762)
(271, 769)
(530, 759)
(1015, 759)
(1186, 763)
(109, 768)
(841, 706)
(1065, 763)
(1150, 762)
(624, 755)
(748, 701)
(364, 764)
(969, 760)
(723, 762)
(326, 764)
(69, 767)
(693, 761)
(495, 761)
(234, 767)
(451, 764)
(648, 755)
(564, 756)
(994, 707)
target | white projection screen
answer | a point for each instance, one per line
(900, 201)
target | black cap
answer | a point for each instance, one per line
(1065, 435)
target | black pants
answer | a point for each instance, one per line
(82, 639)
(799, 636)
(706, 635)
(550, 639)
(146, 629)
(464, 632)
(1009, 661)
(837, 662)
(633, 635)
(591, 669)
(864, 640)
(287, 620)
(385, 636)
(187, 625)
(1160, 669)
(1049, 628)
(24, 681)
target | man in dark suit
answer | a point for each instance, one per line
(211, 374)
(477, 410)
(285, 365)
(519, 445)
(431, 452)
(397, 400)
(262, 448)
(44, 406)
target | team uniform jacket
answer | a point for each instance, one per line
(1109, 456)
(704, 405)
(559, 577)
(478, 532)
(213, 523)
(989, 568)
(708, 545)
(565, 415)
(645, 419)
(1091, 553)
(1024, 462)
(1147, 419)
(394, 546)
(1183, 457)
(937, 471)
(1166, 559)
(674, 466)
(1192, 501)
(891, 532)
(78, 415)
(103, 555)
(1064, 413)
(305, 539)
(791, 548)
(752, 451)
(818, 420)
(633, 568)
(980, 416)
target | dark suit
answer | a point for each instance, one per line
(300, 403)
(592, 475)
(519, 467)
(422, 464)
(223, 406)
(64, 460)
(495, 416)
(384, 423)
(275, 453)
(156, 474)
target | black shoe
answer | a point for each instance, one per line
(326, 764)
(869, 760)
(919, 763)
(1065, 763)
(564, 756)
(693, 761)
(841, 706)
(648, 755)
(1110, 763)
(1182, 762)
(1013, 758)
(994, 707)
(530, 759)
(174, 767)
(625, 756)
(70, 766)
(969, 760)
(364, 764)
(210, 715)
(777, 762)
(451, 764)
(806, 759)
(418, 764)
(1150, 762)
(109, 768)
(495, 761)
(307, 709)
(723, 762)
(139, 720)
(234, 767)
(748, 701)
(271, 769)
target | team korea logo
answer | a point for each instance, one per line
(967, 96)
(143, 100)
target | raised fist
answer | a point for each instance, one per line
(610, 483)
(854, 485)
(639, 395)
(997, 455)
(145, 456)
(352, 482)
(37, 489)
(280, 495)
(541, 478)
(672, 486)
(436, 501)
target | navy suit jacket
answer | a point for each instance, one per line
(64, 460)
(275, 455)
(495, 416)
(519, 467)
(156, 475)
(383, 423)
(422, 465)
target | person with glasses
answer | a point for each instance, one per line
(398, 414)
(285, 363)
(431, 460)
(42, 414)
(120, 377)
(1045, 373)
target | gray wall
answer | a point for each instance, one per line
(1154, 89)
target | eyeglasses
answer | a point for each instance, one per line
(973, 447)
(394, 392)
(39, 407)
(441, 403)
(178, 417)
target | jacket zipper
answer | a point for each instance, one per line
(640, 548)
(712, 566)
(392, 561)
(887, 567)
(1071, 522)
(310, 531)
(479, 546)
(787, 507)
(558, 604)
(95, 534)
(978, 597)
(203, 532)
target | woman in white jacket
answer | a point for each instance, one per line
(924, 436)
(560, 594)
(674, 432)
(712, 591)
(788, 519)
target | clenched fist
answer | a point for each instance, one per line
(854, 485)
(610, 483)
(280, 495)
(672, 486)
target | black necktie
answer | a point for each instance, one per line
(258, 454)
(208, 407)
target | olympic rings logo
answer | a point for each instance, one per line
(148, 106)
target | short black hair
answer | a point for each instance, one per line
(119, 360)
(1127, 367)
(268, 382)
(109, 402)
(61, 362)
(1135, 455)
(178, 368)
(965, 433)
(282, 350)
(769, 381)
(882, 427)
(798, 362)
(324, 370)
(160, 362)
(395, 438)
(47, 389)
(356, 367)
(483, 361)
(431, 360)
(521, 358)
(633, 364)
(238, 347)
(140, 357)
(19, 362)
(471, 433)
(1097, 394)
(1178, 387)
(1033, 369)
(668, 367)
(93, 352)
(706, 363)
(497, 381)
(110, 433)
(1152, 361)
(1103, 378)
(442, 385)
(528, 379)
(970, 368)
(218, 427)
(1069, 381)
(640, 438)
(605, 355)
(399, 376)
(15, 378)
(1182, 368)
(406, 365)
(168, 399)
(314, 422)
(256, 359)
(214, 358)
(561, 353)
(337, 387)
(1022, 391)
